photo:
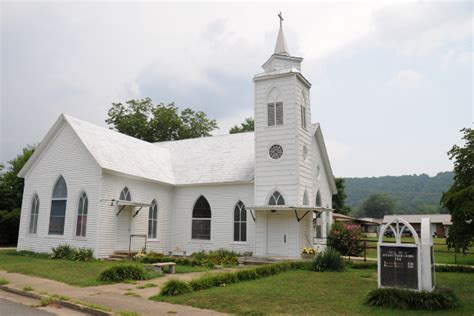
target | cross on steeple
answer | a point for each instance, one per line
(281, 48)
(280, 15)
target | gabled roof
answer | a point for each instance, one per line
(315, 129)
(113, 151)
(217, 159)
(206, 160)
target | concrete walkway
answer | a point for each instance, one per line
(119, 297)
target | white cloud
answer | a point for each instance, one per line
(406, 78)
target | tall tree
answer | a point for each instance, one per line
(11, 187)
(248, 125)
(377, 205)
(11, 193)
(158, 122)
(459, 199)
(339, 199)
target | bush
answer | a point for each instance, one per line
(123, 272)
(346, 238)
(441, 298)
(82, 254)
(217, 257)
(175, 287)
(362, 265)
(454, 268)
(157, 257)
(68, 252)
(9, 225)
(63, 251)
(328, 260)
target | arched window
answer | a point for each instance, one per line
(276, 199)
(81, 224)
(125, 195)
(152, 220)
(240, 222)
(305, 198)
(58, 208)
(34, 214)
(201, 223)
(318, 199)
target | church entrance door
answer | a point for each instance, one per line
(277, 233)
(124, 227)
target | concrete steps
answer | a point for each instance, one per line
(122, 255)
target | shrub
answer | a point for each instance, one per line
(328, 260)
(63, 251)
(68, 252)
(217, 257)
(362, 265)
(454, 268)
(155, 257)
(175, 287)
(82, 254)
(123, 272)
(346, 238)
(440, 298)
(9, 224)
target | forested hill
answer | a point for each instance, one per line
(414, 194)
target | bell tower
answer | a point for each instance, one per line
(282, 129)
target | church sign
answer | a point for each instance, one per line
(406, 265)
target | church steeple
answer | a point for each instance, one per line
(281, 48)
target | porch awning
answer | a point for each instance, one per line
(306, 209)
(122, 204)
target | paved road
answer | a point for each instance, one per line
(8, 308)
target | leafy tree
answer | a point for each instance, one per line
(11, 193)
(158, 122)
(339, 199)
(459, 199)
(377, 205)
(248, 125)
(11, 187)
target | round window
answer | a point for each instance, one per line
(276, 151)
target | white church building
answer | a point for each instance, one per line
(266, 192)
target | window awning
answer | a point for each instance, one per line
(306, 209)
(122, 204)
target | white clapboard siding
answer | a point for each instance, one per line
(142, 192)
(222, 199)
(65, 156)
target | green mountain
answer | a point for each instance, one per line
(414, 194)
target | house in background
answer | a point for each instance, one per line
(257, 192)
(370, 226)
(440, 223)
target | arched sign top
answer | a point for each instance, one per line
(398, 231)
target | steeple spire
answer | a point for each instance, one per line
(281, 48)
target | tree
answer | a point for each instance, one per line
(158, 122)
(377, 205)
(459, 199)
(339, 199)
(11, 194)
(11, 187)
(248, 125)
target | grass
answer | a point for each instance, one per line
(3, 281)
(28, 288)
(71, 272)
(322, 293)
(439, 245)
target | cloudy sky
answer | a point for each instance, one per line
(392, 83)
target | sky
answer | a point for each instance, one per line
(392, 82)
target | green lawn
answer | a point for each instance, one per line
(321, 293)
(66, 271)
(439, 245)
